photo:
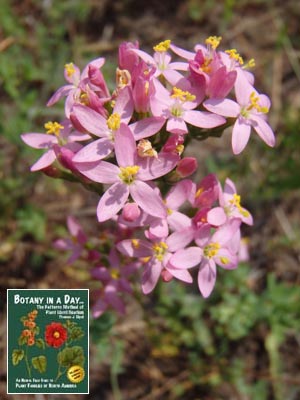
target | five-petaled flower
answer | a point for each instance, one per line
(55, 334)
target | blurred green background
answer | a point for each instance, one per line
(244, 342)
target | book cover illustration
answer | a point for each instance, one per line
(47, 341)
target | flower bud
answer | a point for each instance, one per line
(186, 167)
(131, 212)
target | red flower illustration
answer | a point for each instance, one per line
(55, 334)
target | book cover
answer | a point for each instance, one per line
(47, 341)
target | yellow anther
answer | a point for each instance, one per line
(159, 250)
(213, 41)
(162, 46)
(235, 56)
(70, 69)
(205, 66)
(250, 64)
(236, 201)
(115, 273)
(211, 250)
(145, 149)
(179, 149)
(224, 260)
(53, 128)
(135, 243)
(145, 259)
(114, 122)
(199, 192)
(146, 88)
(127, 174)
(169, 211)
(123, 77)
(84, 99)
(254, 99)
(182, 95)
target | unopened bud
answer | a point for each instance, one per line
(131, 212)
(186, 167)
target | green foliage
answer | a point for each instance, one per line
(39, 363)
(71, 356)
(17, 356)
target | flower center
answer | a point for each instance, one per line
(114, 273)
(145, 149)
(56, 335)
(236, 202)
(253, 105)
(182, 95)
(211, 250)
(53, 128)
(127, 174)
(114, 122)
(159, 250)
(234, 55)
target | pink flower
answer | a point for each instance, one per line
(250, 112)
(129, 177)
(212, 250)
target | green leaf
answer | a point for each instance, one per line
(71, 356)
(39, 363)
(40, 343)
(17, 356)
(22, 340)
(76, 333)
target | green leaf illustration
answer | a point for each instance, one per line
(71, 356)
(17, 356)
(22, 340)
(76, 333)
(39, 363)
(40, 343)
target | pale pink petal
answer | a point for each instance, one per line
(243, 90)
(172, 76)
(216, 216)
(264, 130)
(94, 151)
(159, 228)
(61, 92)
(240, 135)
(177, 126)
(179, 194)
(112, 201)
(186, 258)
(226, 259)
(188, 55)
(203, 119)
(91, 120)
(152, 168)
(207, 277)
(179, 65)
(44, 161)
(73, 226)
(124, 104)
(179, 239)
(151, 276)
(226, 232)
(102, 171)
(148, 199)
(135, 248)
(125, 147)
(39, 140)
(181, 274)
(178, 221)
(144, 56)
(225, 107)
(146, 127)
(99, 308)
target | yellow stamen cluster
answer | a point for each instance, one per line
(123, 77)
(135, 243)
(199, 192)
(211, 250)
(145, 149)
(84, 99)
(254, 99)
(180, 149)
(235, 56)
(114, 122)
(159, 250)
(250, 63)
(56, 334)
(127, 174)
(213, 41)
(70, 69)
(236, 201)
(115, 273)
(53, 128)
(182, 95)
(162, 46)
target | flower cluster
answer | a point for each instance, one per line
(30, 325)
(128, 146)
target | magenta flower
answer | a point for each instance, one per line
(250, 112)
(129, 177)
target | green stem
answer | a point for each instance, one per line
(27, 362)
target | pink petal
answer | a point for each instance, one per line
(179, 239)
(178, 221)
(188, 55)
(226, 232)
(102, 172)
(148, 199)
(47, 159)
(225, 107)
(146, 127)
(135, 248)
(177, 126)
(172, 75)
(124, 104)
(178, 194)
(151, 276)
(125, 147)
(226, 259)
(152, 168)
(186, 258)
(159, 228)
(99, 308)
(203, 119)
(91, 120)
(207, 277)
(112, 201)
(181, 274)
(264, 130)
(94, 151)
(216, 216)
(240, 135)
(39, 140)
(61, 92)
